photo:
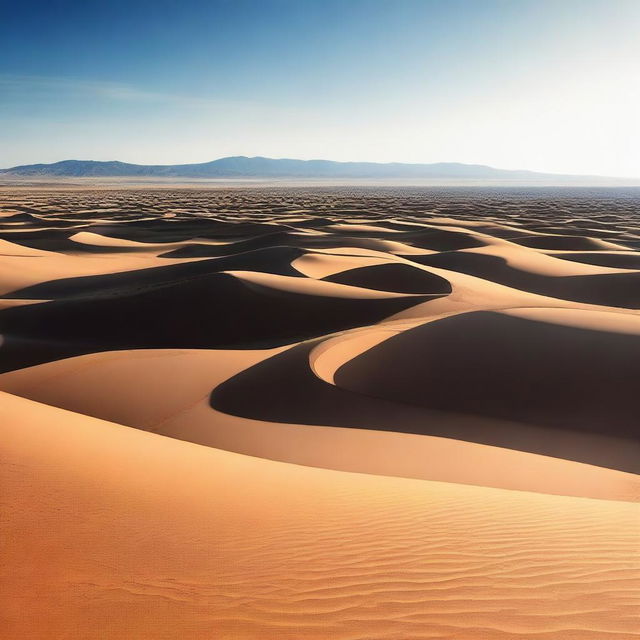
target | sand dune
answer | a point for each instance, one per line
(226, 306)
(571, 243)
(360, 414)
(167, 392)
(539, 263)
(394, 277)
(195, 542)
(617, 260)
(619, 289)
(322, 265)
(567, 369)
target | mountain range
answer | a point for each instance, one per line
(260, 167)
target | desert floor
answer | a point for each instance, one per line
(320, 413)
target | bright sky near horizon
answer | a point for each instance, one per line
(546, 85)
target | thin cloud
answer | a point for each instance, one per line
(19, 85)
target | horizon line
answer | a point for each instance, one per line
(342, 162)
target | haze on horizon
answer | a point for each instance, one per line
(531, 84)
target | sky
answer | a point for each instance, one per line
(545, 85)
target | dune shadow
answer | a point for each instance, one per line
(402, 392)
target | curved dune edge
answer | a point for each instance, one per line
(468, 293)
(471, 293)
(22, 267)
(101, 240)
(320, 265)
(532, 261)
(167, 391)
(330, 354)
(573, 242)
(626, 260)
(617, 289)
(284, 389)
(311, 287)
(593, 319)
(564, 369)
(112, 533)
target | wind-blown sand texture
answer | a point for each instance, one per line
(330, 413)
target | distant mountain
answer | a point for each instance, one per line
(259, 167)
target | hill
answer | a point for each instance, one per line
(260, 167)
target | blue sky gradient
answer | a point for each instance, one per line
(539, 84)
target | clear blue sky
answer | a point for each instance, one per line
(549, 85)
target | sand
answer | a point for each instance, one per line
(320, 413)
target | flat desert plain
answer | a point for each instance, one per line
(320, 413)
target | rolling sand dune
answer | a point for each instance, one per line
(228, 310)
(617, 260)
(167, 392)
(620, 289)
(566, 242)
(356, 414)
(175, 540)
(393, 277)
(547, 369)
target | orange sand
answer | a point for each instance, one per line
(319, 414)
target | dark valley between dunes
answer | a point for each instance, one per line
(319, 412)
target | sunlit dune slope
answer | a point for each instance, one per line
(116, 533)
